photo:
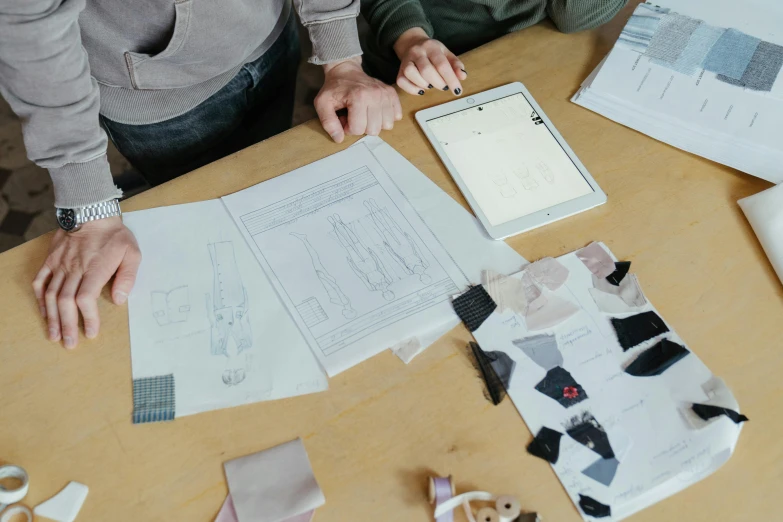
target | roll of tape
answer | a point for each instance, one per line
(487, 514)
(508, 508)
(10, 496)
(11, 512)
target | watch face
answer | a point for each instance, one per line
(66, 217)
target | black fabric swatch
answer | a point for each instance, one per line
(496, 369)
(656, 360)
(633, 331)
(474, 306)
(707, 411)
(589, 433)
(546, 445)
(621, 269)
(560, 386)
(593, 508)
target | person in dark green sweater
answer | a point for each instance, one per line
(415, 42)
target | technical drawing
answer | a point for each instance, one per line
(398, 243)
(545, 172)
(312, 312)
(362, 260)
(522, 173)
(336, 295)
(227, 308)
(172, 306)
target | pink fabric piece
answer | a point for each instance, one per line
(227, 512)
(554, 311)
(549, 273)
(507, 292)
(597, 260)
(532, 291)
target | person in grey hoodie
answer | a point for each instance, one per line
(175, 84)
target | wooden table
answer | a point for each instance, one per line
(384, 427)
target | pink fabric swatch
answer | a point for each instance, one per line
(554, 311)
(549, 272)
(597, 260)
(228, 513)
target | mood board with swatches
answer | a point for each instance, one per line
(620, 406)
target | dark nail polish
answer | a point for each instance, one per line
(457, 91)
(446, 88)
(429, 86)
(421, 93)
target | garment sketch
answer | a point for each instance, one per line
(227, 309)
(546, 172)
(505, 189)
(522, 172)
(398, 243)
(172, 306)
(362, 260)
(333, 290)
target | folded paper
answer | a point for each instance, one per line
(764, 211)
(273, 485)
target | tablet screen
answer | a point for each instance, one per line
(512, 165)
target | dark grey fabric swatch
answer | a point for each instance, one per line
(474, 306)
(593, 508)
(559, 385)
(496, 369)
(602, 470)
(634, 330)
(708, 411)
(621, 269)
(657, 359)
(763, 69)
(546, 445)
(589, 433)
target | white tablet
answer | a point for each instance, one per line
(509, 161)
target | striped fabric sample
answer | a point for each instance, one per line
(641, 27)
(699, 45)
(763, 69)
(671, 38)
(731, 54)
(153, 399)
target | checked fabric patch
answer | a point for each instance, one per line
(153, 399)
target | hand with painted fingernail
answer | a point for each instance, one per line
(426, 64)
(77, 268)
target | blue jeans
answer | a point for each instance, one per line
(255, 105)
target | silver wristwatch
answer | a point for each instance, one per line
(72, 219)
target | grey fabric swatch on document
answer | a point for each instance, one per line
(763, 69)
(731, 54)
(542, 349)
(641, 27)
(699, 45)
(671, 38)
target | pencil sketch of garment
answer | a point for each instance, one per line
(398, 243)
(228, 307)
(362, 260)
(333, 290)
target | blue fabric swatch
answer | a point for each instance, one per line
(763, 69)
(731, 54)
(153, 399)
(699, 45)
(641, 27)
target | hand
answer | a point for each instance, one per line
(426, 63)
(372, 105)
(78, 266)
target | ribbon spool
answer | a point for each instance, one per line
(508, 508)
(487, 514)
(441, 490)
(10, 496)
(11, 512)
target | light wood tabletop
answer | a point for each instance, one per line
(384, 427)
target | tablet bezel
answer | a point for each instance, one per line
(531, 221)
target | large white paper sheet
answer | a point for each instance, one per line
(351, 259)
(203, 310)
(661, 446)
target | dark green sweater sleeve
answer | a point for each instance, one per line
(571, 16)
(388, 19)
